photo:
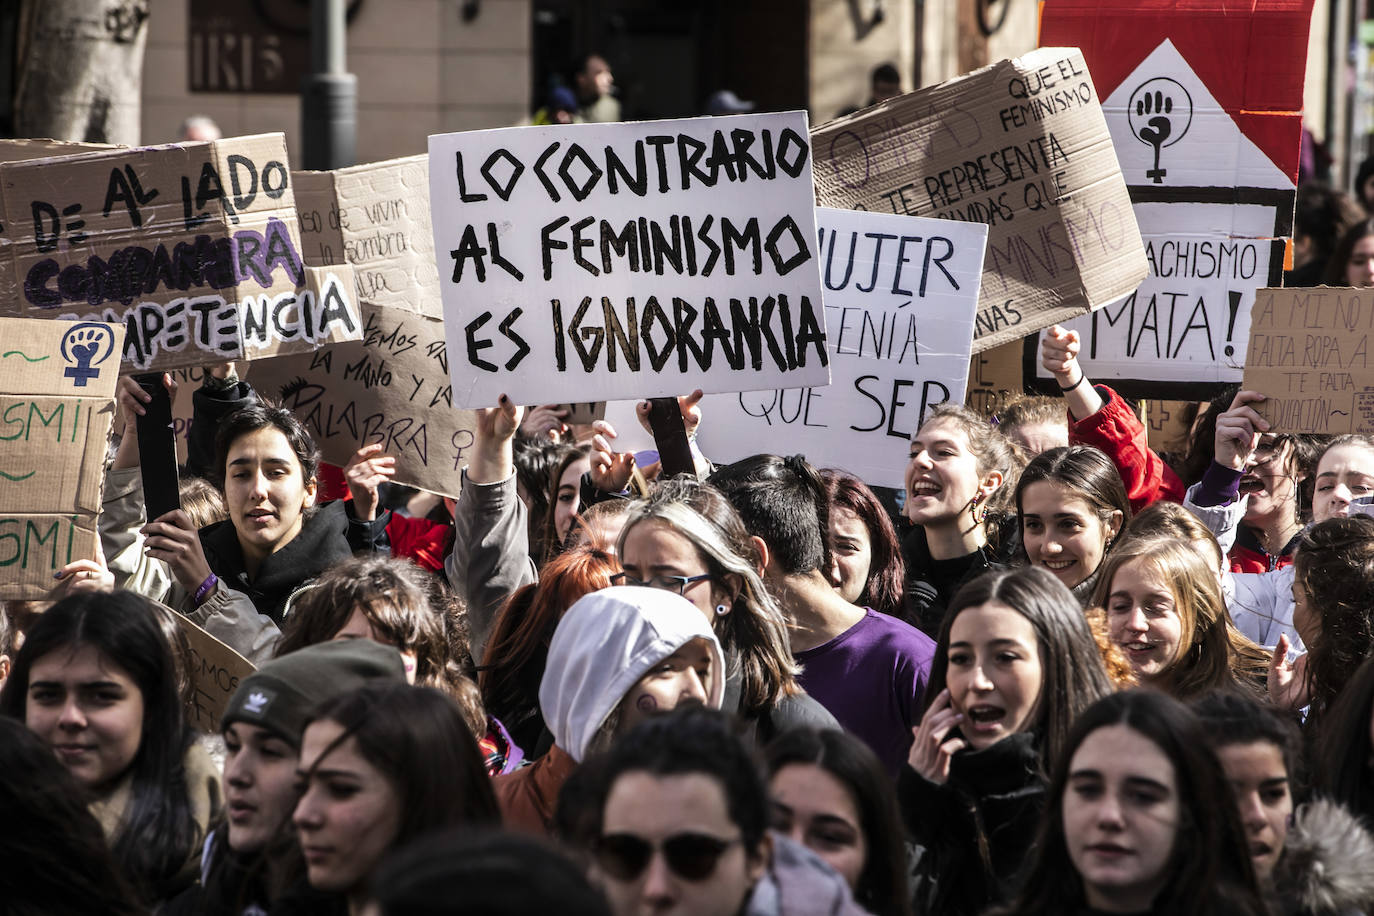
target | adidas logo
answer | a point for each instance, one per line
(256, 703)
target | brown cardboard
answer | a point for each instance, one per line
(392, 387)
(1021, 145)
(20, 150)
(376, 218)
(995, 376)
(1309, 352)
(194, 247)
(55, 410)
(1167, 425)
(215, 671)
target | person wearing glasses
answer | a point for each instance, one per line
(684, 810)
(619, 656)
(686, 537)
(1252, 487)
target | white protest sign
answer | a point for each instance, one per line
(591, 262)
(1208, 144)
(901, 295)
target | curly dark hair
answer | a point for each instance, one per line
(1335, 568)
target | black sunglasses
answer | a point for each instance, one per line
(691, 856)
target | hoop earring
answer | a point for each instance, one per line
(722, 610)
(977, 516)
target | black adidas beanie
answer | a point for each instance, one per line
(281, 695)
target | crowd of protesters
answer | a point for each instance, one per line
(1073, 676)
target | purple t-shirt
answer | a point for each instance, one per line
(872, 678)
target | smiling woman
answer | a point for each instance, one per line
(956, 500)
(1071, 504)
(95, 681)
(1165, 610)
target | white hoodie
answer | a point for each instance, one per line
(604, 644)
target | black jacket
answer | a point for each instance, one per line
(977, 829)
(931, 584)
(330, 534)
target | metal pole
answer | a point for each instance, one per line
(329, 95)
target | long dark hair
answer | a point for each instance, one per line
(886, 572)
(551, 544)
(1209, 870)
(1335, 567)
(882, 887)
(417, 738)
(1087, 473)
(1072, 674)
(158, 832)
(55, 859)
(1344, 751)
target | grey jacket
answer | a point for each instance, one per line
(491, 554)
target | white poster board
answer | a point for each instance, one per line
(1213, 209)
(591, 262)
(901, 296)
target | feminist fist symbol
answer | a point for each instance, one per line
(1154, 120)
(1157, 129)
(81, 348)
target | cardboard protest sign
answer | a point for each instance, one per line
(20, 150)
(391, 387)
(1021, 146)
(1309, 353)
(1168, 423)
(376, 218)
(600, 261)
(57, 384)
(901, 293)
(995, 377)
(215, 671)
(1204, 102)
(193, 247)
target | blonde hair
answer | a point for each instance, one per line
(1212, 653)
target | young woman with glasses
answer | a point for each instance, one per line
(685, 537)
